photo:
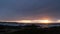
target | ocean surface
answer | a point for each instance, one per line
(24, 24)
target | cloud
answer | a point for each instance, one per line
(17, 9)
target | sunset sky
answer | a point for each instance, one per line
(29, 9)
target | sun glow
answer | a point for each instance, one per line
(44, 21)
(58, 20)
(34, 21)
(25, 21)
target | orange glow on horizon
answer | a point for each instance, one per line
(58, 20)
(34, 21)
(43, 21)
(25, 21)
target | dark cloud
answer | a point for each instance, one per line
(28, 9)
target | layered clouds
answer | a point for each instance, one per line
(29, 9)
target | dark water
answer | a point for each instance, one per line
(42, 25)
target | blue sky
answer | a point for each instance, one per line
(29, 9)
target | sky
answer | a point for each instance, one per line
(11, 10)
